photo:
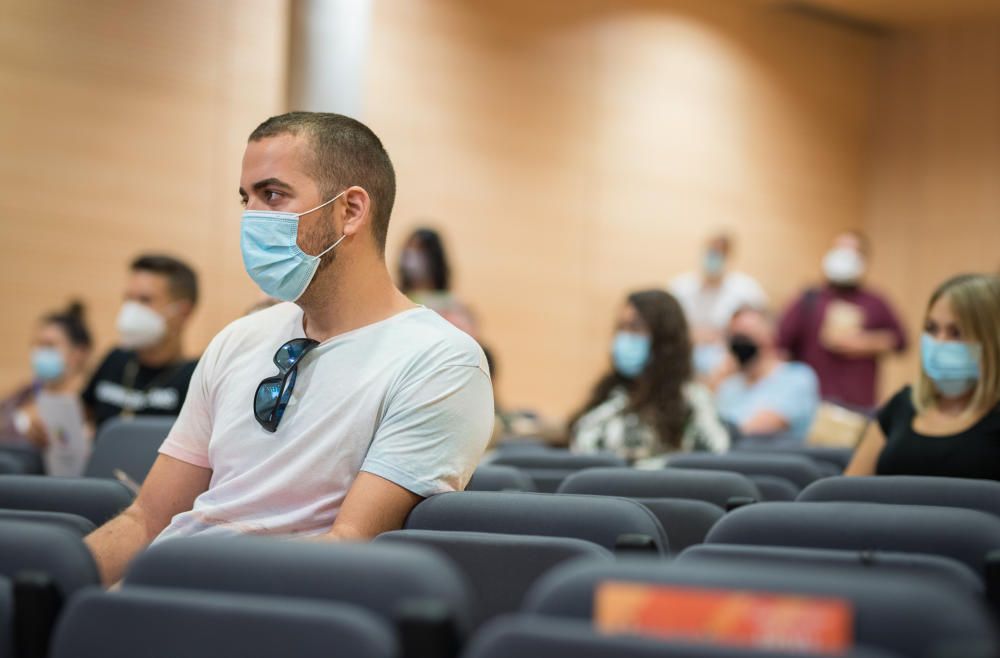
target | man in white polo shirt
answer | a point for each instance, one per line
(329, 417)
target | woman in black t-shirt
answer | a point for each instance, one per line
(948, 423)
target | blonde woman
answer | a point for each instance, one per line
(948, 424)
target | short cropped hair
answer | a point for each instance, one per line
(181, 279)
(345, 152)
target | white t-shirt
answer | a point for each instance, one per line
(407, 399)
(713, 306)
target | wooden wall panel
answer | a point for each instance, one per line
(934, 193)
(122, 127)
(572, 152)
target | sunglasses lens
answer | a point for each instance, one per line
(289, 354)
(268, 394)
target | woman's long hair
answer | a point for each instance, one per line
(657, 394)
(432, 247)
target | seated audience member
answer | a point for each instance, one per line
(767, 397)
(425, 277)
(843, 328)
(59, 355)
(649, 405)
(948, 423)
(709, 298)
(147, 373)
(329, 415)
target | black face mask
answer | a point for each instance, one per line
(743, 348)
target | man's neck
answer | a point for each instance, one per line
(163, 354)
(712, 280)
(349, 295)
(762, 366)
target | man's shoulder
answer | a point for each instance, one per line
(114, 361)
(685, 283)
(798, 372)
(433, 340)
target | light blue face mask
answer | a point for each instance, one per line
(47, 363)
(271, 254)
(953, 366)
(714, 262)
(630, 353)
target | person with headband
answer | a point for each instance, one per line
(948, 423)
(147, 372)
(330, 415)
(648, 404)
(842, 328)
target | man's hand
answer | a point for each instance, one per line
(170, 488)
(373, 505)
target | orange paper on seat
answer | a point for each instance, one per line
(728, 617)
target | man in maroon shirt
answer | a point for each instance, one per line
(842, 328)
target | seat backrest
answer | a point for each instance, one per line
(799, 470)
(715, 487)
(165, 624)
(534, 637)
(379, 578)
(604, 520)
(129, 445)
(913, 564)
(72, 522)
(490, 477)
(95, 499)
(686, 522)
(983, 495)
(10, 465)
(964, 535)
(774, 489)
(904, 615)
(6, 618)
(50, 549)
(556, 459)
(499, 568)
(837, 458)
(30, 459)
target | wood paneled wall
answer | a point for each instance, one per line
(122, 126)
(572, 152)
(934, 186)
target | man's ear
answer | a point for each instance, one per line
(184, 309)
(357, 210)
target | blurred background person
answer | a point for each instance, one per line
(147, 374)
(767, 398)
(425, 277)
(948, 423)
(46, 413)
(842, 328)
(709, 298)
(649, 405)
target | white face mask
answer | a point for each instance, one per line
(843, 266)
(140, 326)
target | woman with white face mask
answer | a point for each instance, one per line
(948, 423)
(59, 351)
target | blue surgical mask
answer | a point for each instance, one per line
(953, 366)
(47, 363)
(271, 254)
(708, 357)
(714, 262)
(630, 353)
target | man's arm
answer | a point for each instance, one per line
(373, 505)
(864, 344)
(764, 421)
(170, 488)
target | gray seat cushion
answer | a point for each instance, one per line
(715, 487)
(490, 477)
(49, 549)
(983, 495)
(130, 445)
(797, 469)
(95, 499)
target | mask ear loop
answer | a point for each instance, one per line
(330, 248)
(326, 203)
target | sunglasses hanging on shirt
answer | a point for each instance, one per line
(273, 393)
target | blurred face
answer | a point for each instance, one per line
(630, 322)
(51, 336)
(941, 323)
(755, 327)
(153, 291)
(848, 241)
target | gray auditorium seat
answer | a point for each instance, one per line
(130, 445)
(832, 460)
(686, 522)
(607, 521)
(799, 470)
(963, 535)
(775, 489)
(490, 477)
(533, 637)
(983, 495)
(29, 459)
(10, 465)
(77, 524)
(904, 615)
(408, 584)
(95, 499)
(499, 568)
(716, 487)
(167, 624)
(548, 468)
(6, 618)
(916, 564)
